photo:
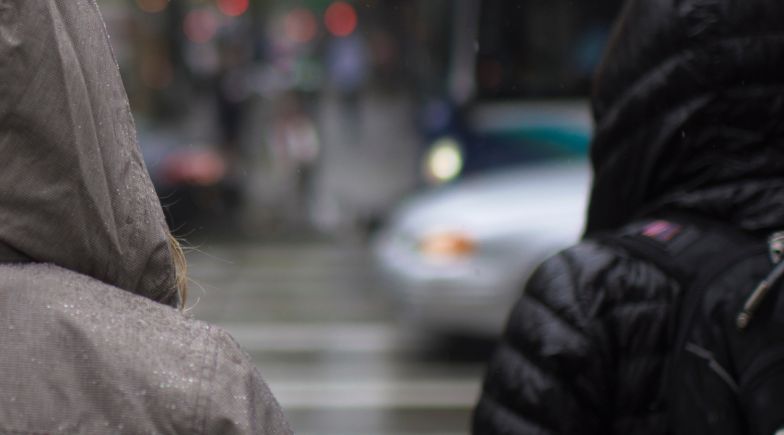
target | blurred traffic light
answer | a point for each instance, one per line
(340, 19)
(233, 8)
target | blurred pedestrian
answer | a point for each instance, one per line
(90, 279)
(348, 70)
(667, 317)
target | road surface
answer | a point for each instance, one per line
(315, 321)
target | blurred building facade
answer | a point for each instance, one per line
(322, 112)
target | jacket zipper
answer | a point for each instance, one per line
(776, 251)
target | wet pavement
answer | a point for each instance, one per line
(325, 338)
(308, 309)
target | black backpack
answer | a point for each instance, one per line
(725, 372)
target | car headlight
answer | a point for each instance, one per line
(444, 160)
(447, 245)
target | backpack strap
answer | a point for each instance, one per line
(659, 241)
(692, 250)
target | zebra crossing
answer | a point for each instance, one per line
(326, 341)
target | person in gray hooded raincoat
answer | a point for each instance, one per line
(91, 340)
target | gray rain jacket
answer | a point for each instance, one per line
(90, 341)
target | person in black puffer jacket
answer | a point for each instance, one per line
(689, 112)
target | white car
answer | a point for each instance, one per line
(456, 258)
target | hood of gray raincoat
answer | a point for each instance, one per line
(73, 187)
(688, 104)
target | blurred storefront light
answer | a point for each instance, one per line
(152, 6)
(340, 19)
(201, 168)
(233, 8)
(300, 25)
(200, 25)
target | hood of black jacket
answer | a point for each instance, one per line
(688, 104)
(73, 187)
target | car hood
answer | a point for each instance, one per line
(531, 199)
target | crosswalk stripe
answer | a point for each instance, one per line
(418, 394)
(334, 337)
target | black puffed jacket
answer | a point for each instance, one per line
(689, 109)
(582, 349)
